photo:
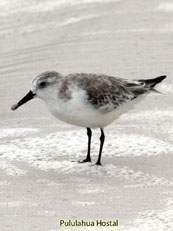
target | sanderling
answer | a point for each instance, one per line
(87, 100)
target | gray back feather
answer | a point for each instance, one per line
(106, 92)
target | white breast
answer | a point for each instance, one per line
(78, 112)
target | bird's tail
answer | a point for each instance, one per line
(152, 82)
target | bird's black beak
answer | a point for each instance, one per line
(25, 99)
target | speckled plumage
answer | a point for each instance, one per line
(87, 100)
(102, 92)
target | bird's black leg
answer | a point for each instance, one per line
(102, 139)
(88, 157)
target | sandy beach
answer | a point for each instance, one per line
(41, 182)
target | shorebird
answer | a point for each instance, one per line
(88, 100)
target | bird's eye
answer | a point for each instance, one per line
(42, 84)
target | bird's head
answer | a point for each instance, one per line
(44, 86)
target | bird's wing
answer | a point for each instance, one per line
(106, 92)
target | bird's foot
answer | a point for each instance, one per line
(98, 163)
(84, 161)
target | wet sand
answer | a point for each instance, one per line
(40, 184)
